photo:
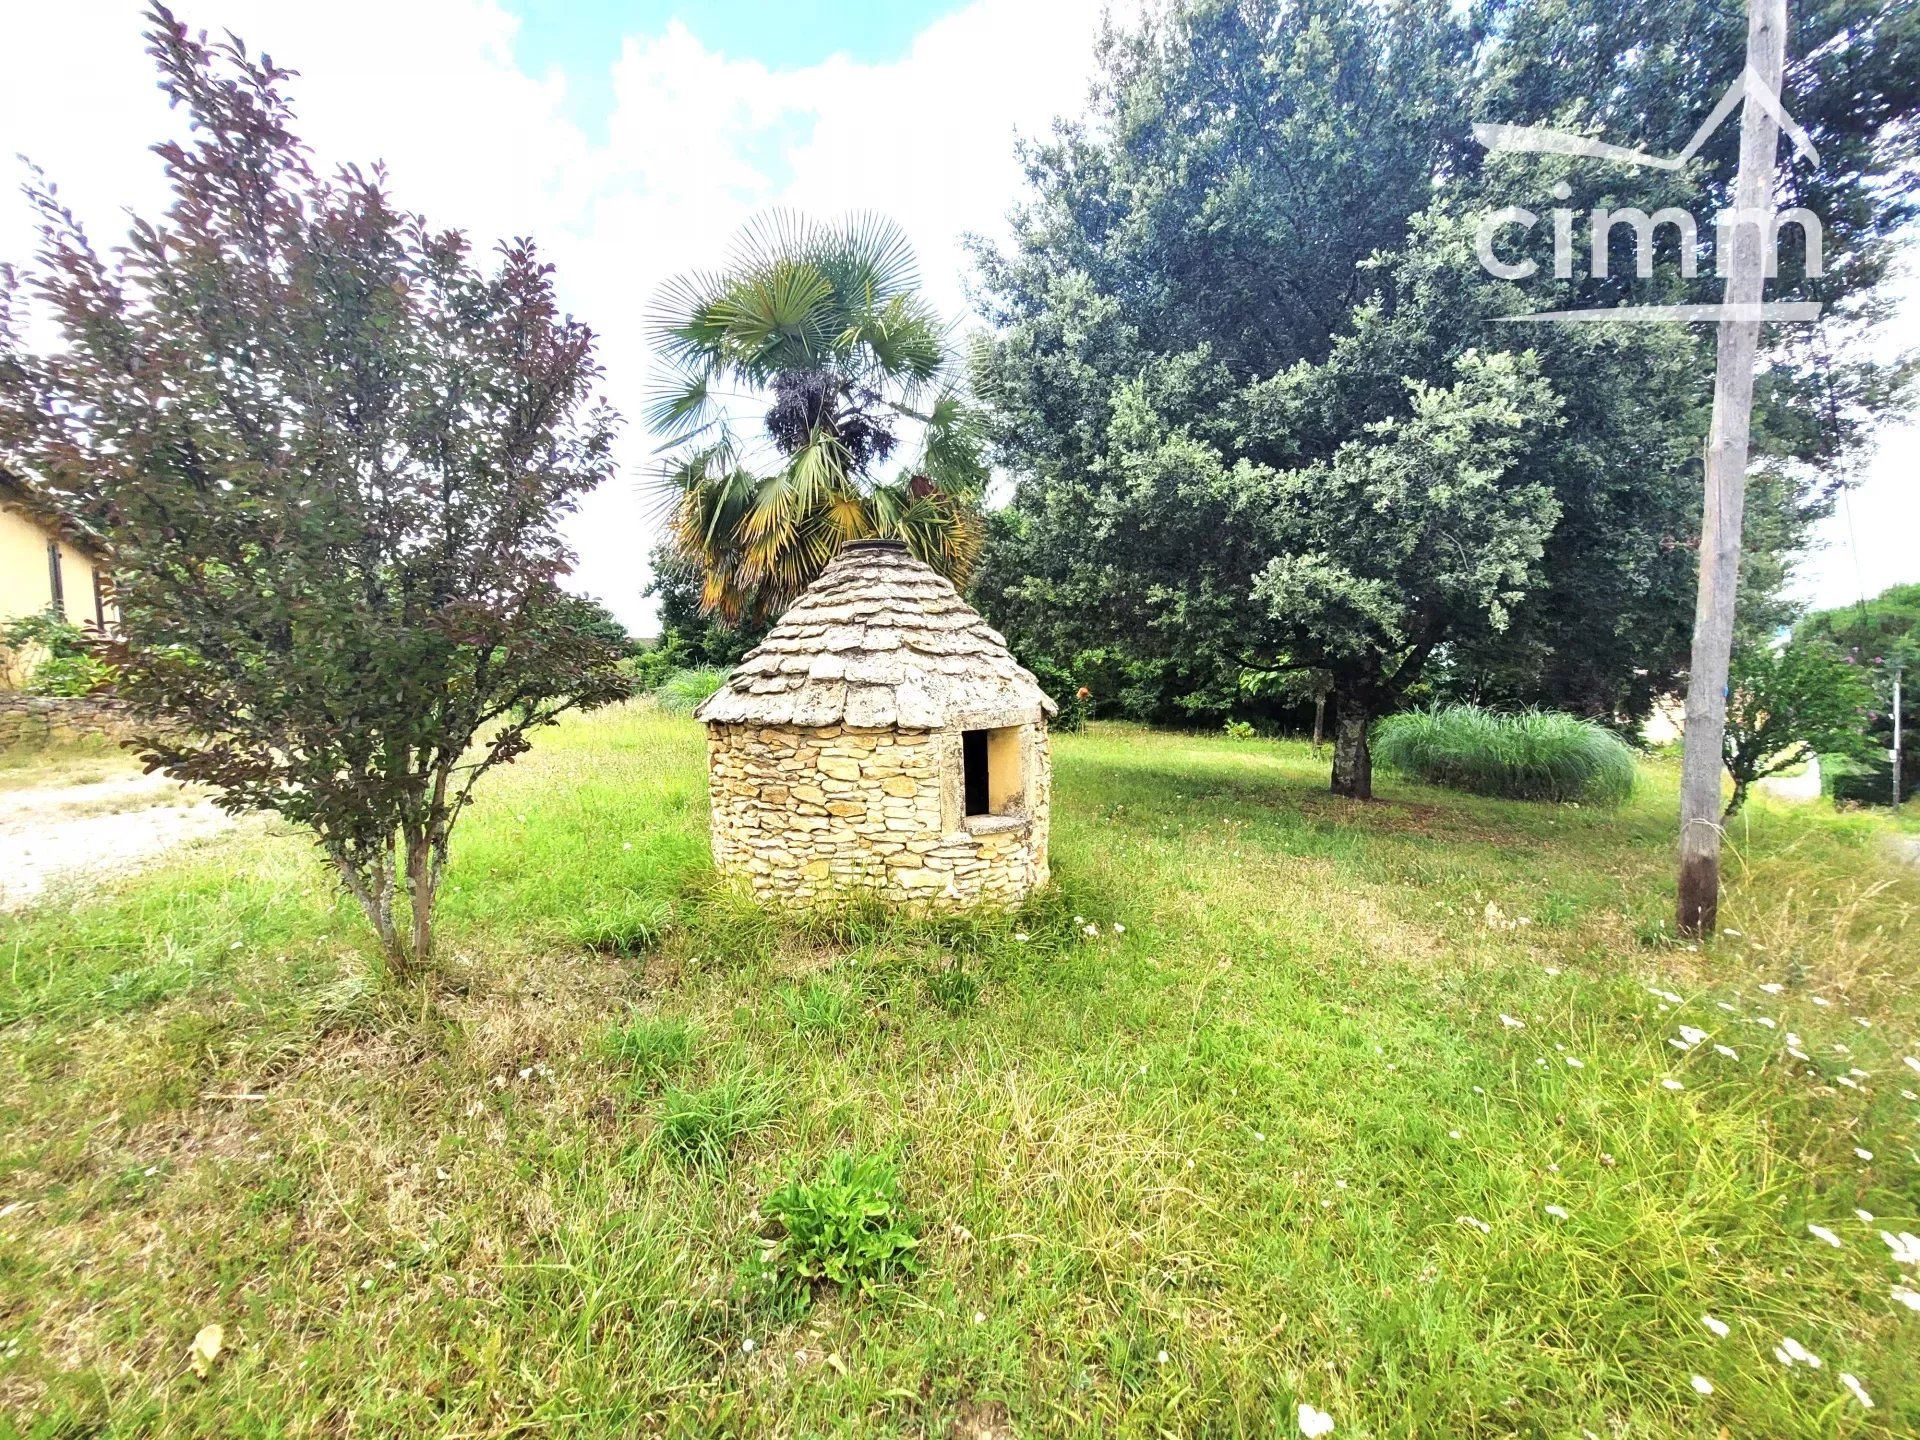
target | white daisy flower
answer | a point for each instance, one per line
(1791, 1352)
(746, 1347)
(1717, 1326)
(1161, 1357)
(1703, 1385)
(1313, 1422)
(1905, 1247)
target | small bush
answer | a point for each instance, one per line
(651, 1046)
(699, 1127)
(57, 654)
(1526, 755)
(850, 1228)
(683, 690)
(1240, 730)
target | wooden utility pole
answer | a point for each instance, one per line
(1726, 497)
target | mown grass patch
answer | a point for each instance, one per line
(1263, 1137)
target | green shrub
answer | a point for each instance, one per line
(850, 1228)
(681, 691)
(64, 662)
(699, 1127)
(1525, 755)
(1240, 730)
(651, 1046)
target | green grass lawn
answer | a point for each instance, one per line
(1369, 1107)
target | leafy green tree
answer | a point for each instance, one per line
(1789, 703)
(819, 331)
(693, 634)
(330, 454)
(1263, 235)
(1882, 633)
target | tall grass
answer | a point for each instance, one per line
(681, 691)
(1523, 755)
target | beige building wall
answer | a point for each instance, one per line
(808, 814)
(26, 584)
(26, 577)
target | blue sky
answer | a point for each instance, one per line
(581, 41)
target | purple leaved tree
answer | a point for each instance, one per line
(330, 451)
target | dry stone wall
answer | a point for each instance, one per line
(27, 721)
(811, 814)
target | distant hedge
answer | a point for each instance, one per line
(1523, 755)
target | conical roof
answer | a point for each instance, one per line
(880, 641)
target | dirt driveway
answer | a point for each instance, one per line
(100, 827)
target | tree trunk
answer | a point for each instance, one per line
(1352, 759)
(1738, 798)
(1319, 720)
(421, 883)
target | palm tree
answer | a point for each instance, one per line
(818, 329)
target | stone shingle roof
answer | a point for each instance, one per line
(880, 641)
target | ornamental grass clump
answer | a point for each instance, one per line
(1522, 755)
(683, 690)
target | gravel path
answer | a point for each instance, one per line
(68, 832)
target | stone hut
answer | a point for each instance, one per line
(881, 740)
